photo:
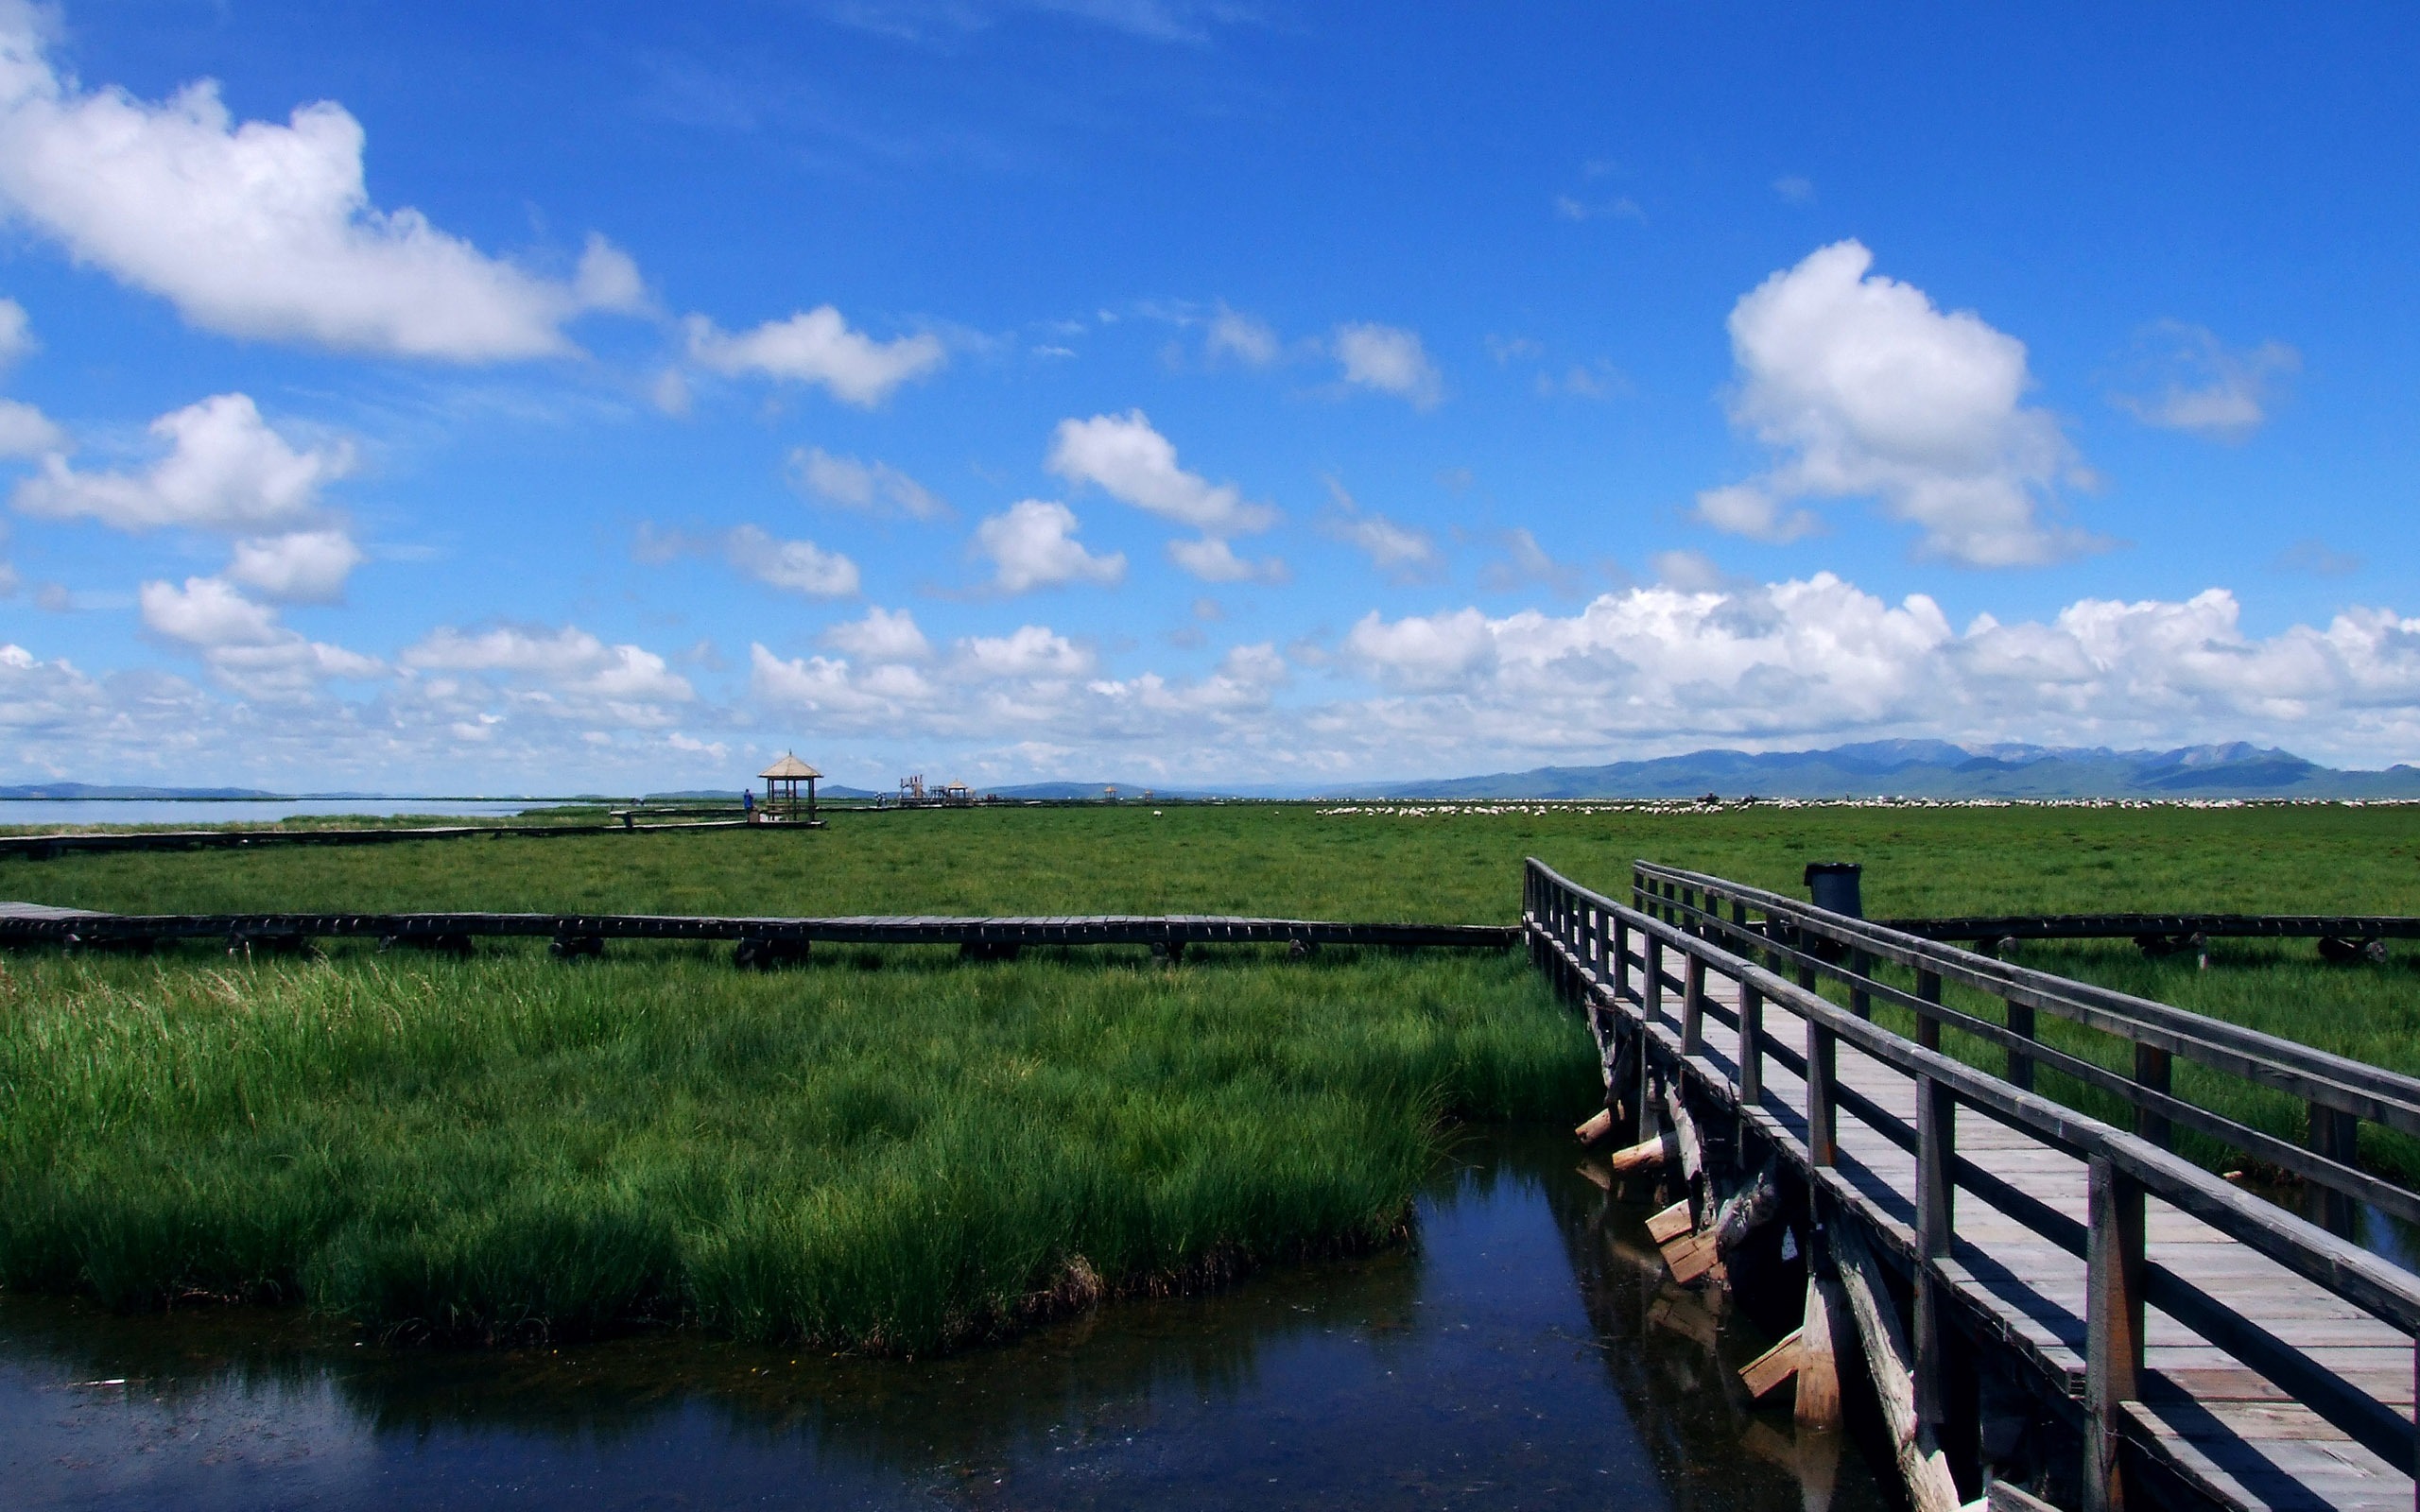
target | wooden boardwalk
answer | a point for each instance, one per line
(2220, 1422)
(50, 845)
(2008, 1245)
(39, 924)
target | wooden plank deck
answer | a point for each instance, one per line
(2237, 1437)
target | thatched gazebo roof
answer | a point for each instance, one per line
(789, 768)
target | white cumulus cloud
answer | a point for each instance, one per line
(817, 347)
(25, 431)
(1403, 553)
(1390, 360)
(1862, 386)
(262, 230)
(1245, 338)
(207, 612)
(1029, 651)
(565, 674)
(1213, 561)
(1032, 545)
(876, 488)
(883, 635)
(1135, 464)
(242, 643)
(2194, 383)
(300, 567)
(225, 470)
(792, 566)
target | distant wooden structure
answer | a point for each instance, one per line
(783, 803)
(914, 793)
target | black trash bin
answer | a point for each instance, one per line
(1834, 885)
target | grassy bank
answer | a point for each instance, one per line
(888, 1149)
(1424, 863)
(898, 1157)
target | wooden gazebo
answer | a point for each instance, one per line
(782, 800)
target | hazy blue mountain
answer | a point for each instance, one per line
(27, 790)
(1931, 769)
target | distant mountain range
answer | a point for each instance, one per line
(1882, 768)
(1933, 768)
(89, 790)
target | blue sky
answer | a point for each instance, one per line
(574, 397)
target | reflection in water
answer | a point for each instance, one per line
(1524, 1353)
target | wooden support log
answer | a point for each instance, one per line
(1819, 1368)
(1596, 1128)
(1643, 1156)
(1922, 1465)
(1764, 1374)
(1685, 1131)
(1692, 1256)
(1671, 1223)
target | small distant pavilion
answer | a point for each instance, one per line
(782, 800)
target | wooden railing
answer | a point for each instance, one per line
(1594, 948)
(585, 934)
(2338, 1094)
(1988, 928)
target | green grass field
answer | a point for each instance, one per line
(890, 1149)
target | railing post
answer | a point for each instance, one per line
(1653, 993)
(2020, 1065)
(1936, 1217)
(1693, 1007)
(1751, 1046)
(1861, 1002)
(1822, 1065)
(1672, 913)
(2113, 1328)
(1688, 910)
(2152, 1071)
(2338, 1136)
(1928, 1027)
(1621, 959)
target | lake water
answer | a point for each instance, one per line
(56, 814)
(1523, 1352)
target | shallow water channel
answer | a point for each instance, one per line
(1523, 1351)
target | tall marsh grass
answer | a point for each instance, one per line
(897, 1159)
(904, 1156)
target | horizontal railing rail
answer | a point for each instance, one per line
(2338, 1094)
(34, 926)
(1989, 928)
(1594, 946)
